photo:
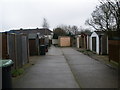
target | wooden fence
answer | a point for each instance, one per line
(4, 46)
(114, 50)
(18, 49)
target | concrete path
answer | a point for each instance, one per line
(50, 71)
(90, 73)
(67, 68)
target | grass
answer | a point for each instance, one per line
(17, 72)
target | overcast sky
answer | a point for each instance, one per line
(16, 14)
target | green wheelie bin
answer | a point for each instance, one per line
(5, 65)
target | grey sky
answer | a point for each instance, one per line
(17, 14)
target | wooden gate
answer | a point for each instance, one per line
(32, 47)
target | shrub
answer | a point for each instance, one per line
(17, 72)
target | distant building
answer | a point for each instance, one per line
(42, 31)
(36, 38)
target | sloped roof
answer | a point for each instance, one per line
(99, 32)
(88, 33)
(42, 31)
(32, 36)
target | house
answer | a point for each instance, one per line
(41, 31)
(36, 38)
(99, 42)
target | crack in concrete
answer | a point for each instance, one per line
(75, 77)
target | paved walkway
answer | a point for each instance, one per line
(90, 73)
(50, 71)
(67, 68)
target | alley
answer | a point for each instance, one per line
(90, 73)
(50, 71)
(67, 68)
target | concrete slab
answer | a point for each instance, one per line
(89, 72)
(67, 68)
(50, 71)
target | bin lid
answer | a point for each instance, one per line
(6, 63)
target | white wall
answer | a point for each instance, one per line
(0, 45)
(54, 41)
(97, 42)
(78, 41)
(50, 37)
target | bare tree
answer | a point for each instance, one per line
(75, 30)
(102, 18)
(115, 10)
(45, 23)
(106, 16)
(72, 30)
(58, 32)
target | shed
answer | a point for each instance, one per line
(99, 42)
(64, 41)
